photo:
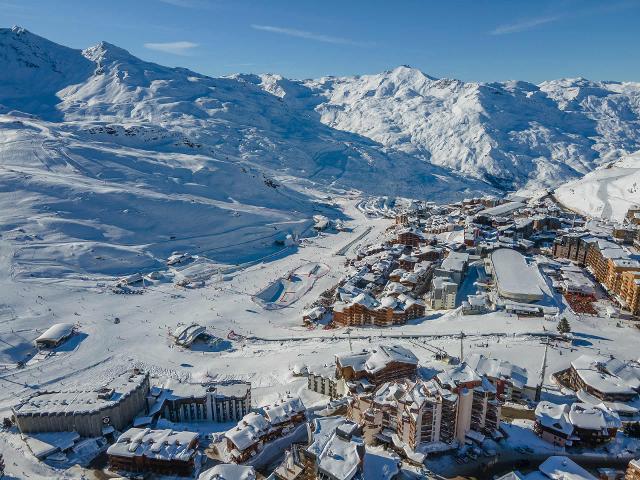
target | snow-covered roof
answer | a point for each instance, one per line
(228, 471)
(501, 209)
(283, 410)
(336, 450)
(514, 277)
(380, 464)
(455, 261)
(186, 334)
(554, 416)
(499, 369)
(248, 431)
(165, 445)
(592, 417)
(461, 373)
(385, 355)
(378, 359)
(592, 369)
(56, 332)
(563, 468)
(79, 401)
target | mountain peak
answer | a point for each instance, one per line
(407, 71)
(18, 30)
(106, 51)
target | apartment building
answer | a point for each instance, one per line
(418, 413)
(630, 291)
(363, 309)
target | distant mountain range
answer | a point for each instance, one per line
(108, 162)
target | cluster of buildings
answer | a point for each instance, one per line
(608, 393)
(336, 450)
(608, 259)
(433, 247)
(393, 405)
(383, 288)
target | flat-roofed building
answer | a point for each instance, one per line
(194, 402)
(91, 413)
(515, 278)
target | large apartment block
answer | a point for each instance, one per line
(611, 265)
(423, 412)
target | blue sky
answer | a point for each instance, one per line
(470, 40)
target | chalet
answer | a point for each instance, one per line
(553, 424)
(394, 309)
(162, 452)
(410, 237)
(256, 429)
(364, 370)
(605, 378)
(228, 471)
(508, 379)
(593, 424)
(336, 451)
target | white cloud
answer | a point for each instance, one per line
(292, 32)
(523, 25)
(176, 48)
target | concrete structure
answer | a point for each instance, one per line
(442, 295)
(194, 402)
(323, 380)
(91, 413)
(453, 266)
(419, 413)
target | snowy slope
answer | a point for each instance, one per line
(109, 163)
(105, 156)
(512, 134)
(607, 192)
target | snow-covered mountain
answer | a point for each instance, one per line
(607, 192)
(512, 134)
(108, 162)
